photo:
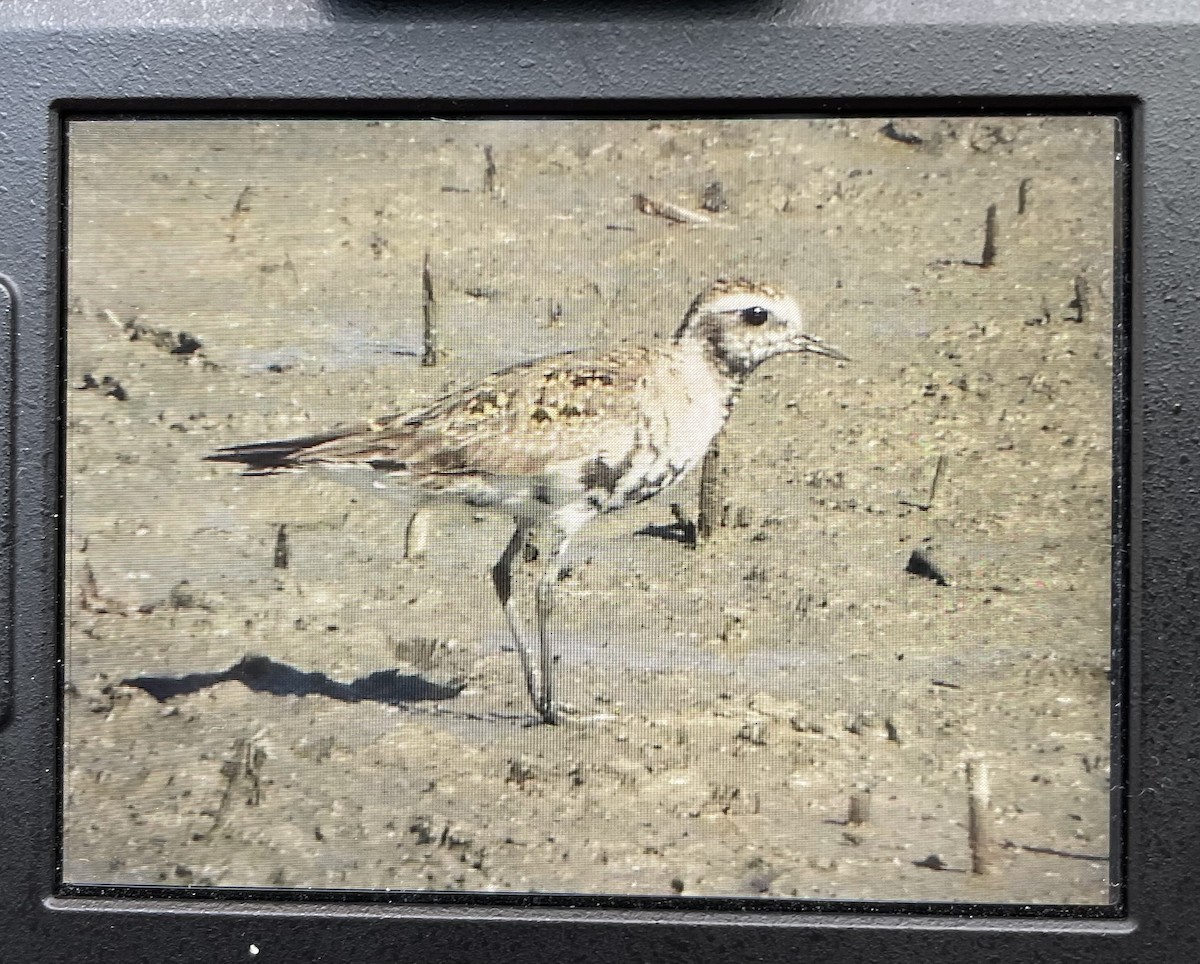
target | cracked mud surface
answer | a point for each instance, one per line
(356, 719)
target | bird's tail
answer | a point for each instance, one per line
(268, 458)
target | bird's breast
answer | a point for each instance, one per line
(691, 404)
(683, 403)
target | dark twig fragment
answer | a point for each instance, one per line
(1052, 852)
(429, 313)
(240, 208)
(937, 474)
(281, 547)
(1081, 303)
(988, 258)
(489, 169)
(242, 204)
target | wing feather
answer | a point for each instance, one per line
(523, 420)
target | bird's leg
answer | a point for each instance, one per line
(545, 605)
(502, 580)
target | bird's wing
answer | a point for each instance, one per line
(521, 421)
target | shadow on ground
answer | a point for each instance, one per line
(263, 675)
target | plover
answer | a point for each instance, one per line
(553, 443)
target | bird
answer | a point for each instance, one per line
(557, 441)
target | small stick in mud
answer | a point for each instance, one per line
(243, 778)
(1052, 852)
(979, 829)
(988, 257)
(708, 514)
(672, 212)
(859, 811)
(1023, 195)
(241, 205)
(90, 599)
(489, 169)
(416, 535)
(429, 313)
(937, 474)
(281, 547)
(238, 214)
(1081, 303)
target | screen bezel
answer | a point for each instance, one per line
(352, 67)
(664, 111)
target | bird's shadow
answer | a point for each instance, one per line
(264, 675)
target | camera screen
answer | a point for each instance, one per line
(670, 508)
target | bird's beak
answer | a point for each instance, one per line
(814, 344)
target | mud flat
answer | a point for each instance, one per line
(785, 710)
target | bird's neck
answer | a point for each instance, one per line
(705, 367)
(707, 344)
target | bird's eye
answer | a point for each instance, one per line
(757, 315)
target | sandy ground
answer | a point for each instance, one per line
(356, 719)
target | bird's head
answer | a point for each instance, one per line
(744, 323)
